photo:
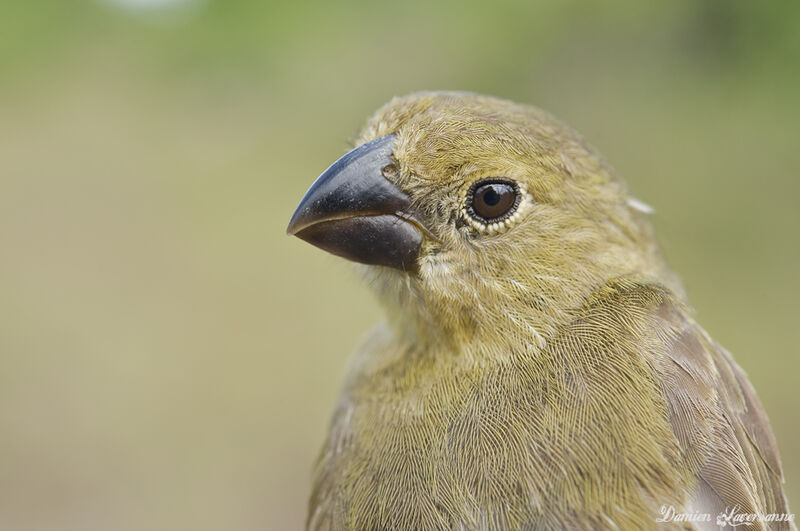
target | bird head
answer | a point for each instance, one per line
(477, 217)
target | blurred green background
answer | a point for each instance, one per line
(169, 358)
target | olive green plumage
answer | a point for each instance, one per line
(542, 375)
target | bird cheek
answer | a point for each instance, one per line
(435, 260)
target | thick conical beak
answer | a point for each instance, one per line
(353, 211)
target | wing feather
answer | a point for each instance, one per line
(720, 424)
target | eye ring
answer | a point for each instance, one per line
(493, 200)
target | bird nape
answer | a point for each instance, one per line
(538, 367)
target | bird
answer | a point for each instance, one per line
(539, 365)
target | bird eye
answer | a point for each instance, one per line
(493, 200)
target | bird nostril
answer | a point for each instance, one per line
(389, 171)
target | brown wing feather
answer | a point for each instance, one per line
(720, 423)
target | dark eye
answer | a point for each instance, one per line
(493, 199)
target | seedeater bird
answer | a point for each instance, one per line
(538, 367)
